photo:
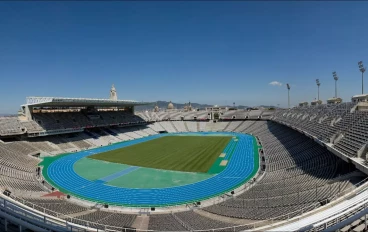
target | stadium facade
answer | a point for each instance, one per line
(311, 176)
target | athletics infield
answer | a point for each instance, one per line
(159, 170)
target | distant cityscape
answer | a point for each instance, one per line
(163, 105)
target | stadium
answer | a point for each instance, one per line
(236, 121)
(85, 164)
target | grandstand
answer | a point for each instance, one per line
(341, 127)
(310, 159)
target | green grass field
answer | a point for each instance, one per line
(179, 153)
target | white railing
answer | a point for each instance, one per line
(344, 218)
(43, 217)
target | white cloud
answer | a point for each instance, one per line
(275, 83)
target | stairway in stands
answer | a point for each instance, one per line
(141, 222)
(186, 126)
(235, 129)
(228, 123)
(110, 131)
(173, 125)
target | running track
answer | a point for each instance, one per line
(239, 169)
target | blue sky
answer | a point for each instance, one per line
(206, 52)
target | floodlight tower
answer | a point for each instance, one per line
(334, 74)
(362, 69)
(318, 84)
(288, 87)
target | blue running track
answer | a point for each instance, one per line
(238, 170)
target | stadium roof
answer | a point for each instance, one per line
(79, 102)
(360, 96)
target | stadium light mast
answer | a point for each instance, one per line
(334, 74)
(362, 69)
(288, 87)
(318, 84)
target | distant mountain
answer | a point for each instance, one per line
(2, 115)
(163, 105)
(263, 106)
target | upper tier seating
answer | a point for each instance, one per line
(340, 124)
(10, 126)
(78, 120)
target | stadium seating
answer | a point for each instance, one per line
(233, 125)
(299, 173)
(168, 126)
(192, 126)
(109, 218)
(195, 221)
(244, 125)
(343, 124)
(16, 160)
(219, 126)
(74, 120)
(202, 126)
(198, 222)
(10, 126)
(56, 206)
(179, 126)
(32, 126)
(165, 222)
(321, 121)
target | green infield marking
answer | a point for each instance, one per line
(92, 169)
(157, 178)
(178, 153)
(224, 157)
(141, 178)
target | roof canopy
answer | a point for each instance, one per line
(79, 102)
(360, 96)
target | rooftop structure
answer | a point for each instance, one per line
(334, 100)
(63, 104)
(303, 104)
(113, 93)
(359, 98)
(77, 102)
(316, 102)
(170, 106)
